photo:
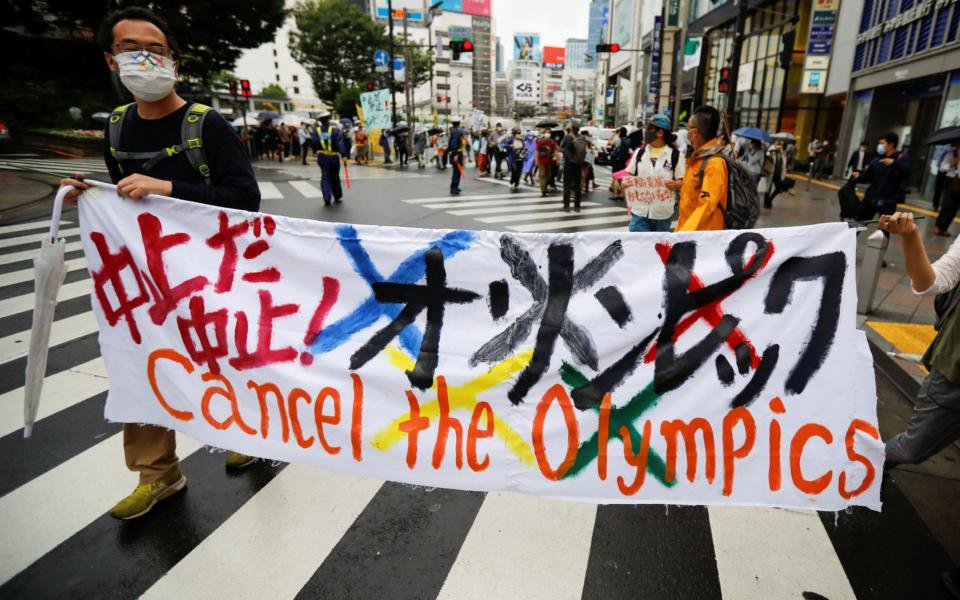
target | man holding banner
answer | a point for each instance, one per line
(147, 137)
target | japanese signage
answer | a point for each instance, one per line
(524, 90)
(656, 55)
(714, 368)
(673, 13)
(480, 8)
(554, 57)
(414, 9)
(376, 109)
(814, 82)
(823, 19)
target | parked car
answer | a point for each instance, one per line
(4, 132)
(601, 137)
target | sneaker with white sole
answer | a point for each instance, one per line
(146, 495)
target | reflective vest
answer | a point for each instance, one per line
(326, 142)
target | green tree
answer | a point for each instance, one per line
(334, 41)
(274, 91)
(212, 33)
(346, 101)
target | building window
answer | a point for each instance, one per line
(278, 79)
(276, 65)
(443, 73)
(274, 51)
(296, 78)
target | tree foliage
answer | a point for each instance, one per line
(212, 33)
(334, 41)
(274, 91)
(346, 101)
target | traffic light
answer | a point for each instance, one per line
(458, 46)
(245, 88)
(608, 48)
(371, 86)
(787, 39)
(723, 86)
(232, 85)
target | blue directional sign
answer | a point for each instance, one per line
(381, 58)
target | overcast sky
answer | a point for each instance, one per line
(554, 20)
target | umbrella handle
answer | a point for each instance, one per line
(57, 209)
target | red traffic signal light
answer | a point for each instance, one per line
(608, 48)
(723, 85)
(370, 86)
(467, 46)
(232, 85)
(245, 88)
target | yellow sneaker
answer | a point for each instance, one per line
(235, 460)
(146, 495)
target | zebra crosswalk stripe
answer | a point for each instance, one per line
(28, 274)
(285, 532)
(299, 527)
(25, 302)
(269, 191)
(30, 225)
(36, 237)
(29, 254)
(555, 214)
(307, 189)
(554, 225)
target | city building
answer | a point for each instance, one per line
(597, 28)
(524, 87)
(272, 63)
(623, 86)
(501, 99)
(577, 54)
(459, 84)
(500, 57)
(905, 78)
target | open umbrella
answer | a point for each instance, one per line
(785, 136)
(251, 122)
(547, 124)
(435, 131)
(49, 271)
(947, 135)
(752, 133)
(268, 115)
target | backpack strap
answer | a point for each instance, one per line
(191, 133)
(674, 159)
(114, 131)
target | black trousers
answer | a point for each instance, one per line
(948, 210)
(938, 185)
(571, 183)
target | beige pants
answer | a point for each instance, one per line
(546, 177)
(149, 450)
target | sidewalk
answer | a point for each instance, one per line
(24, 194)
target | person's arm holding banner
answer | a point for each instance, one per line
(926, 277)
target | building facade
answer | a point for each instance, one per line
(577, 54)
(905, 78)
(272, 63)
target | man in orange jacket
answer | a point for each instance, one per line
(702, 203)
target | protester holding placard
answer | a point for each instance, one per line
(656, 172)
(147, 137)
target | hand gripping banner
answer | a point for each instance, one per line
(708, 368)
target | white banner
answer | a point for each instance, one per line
(376, 109)
(697, 368)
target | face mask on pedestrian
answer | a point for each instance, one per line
(881, 148)
(148, 76)
(649, 136)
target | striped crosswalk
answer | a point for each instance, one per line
(529, 211)
(62, 167)
(289, 531)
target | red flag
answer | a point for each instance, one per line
(346, 173)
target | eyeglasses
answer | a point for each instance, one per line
(152, 49)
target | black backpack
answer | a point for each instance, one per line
(191, 143)
(743, 201)
(674, 159)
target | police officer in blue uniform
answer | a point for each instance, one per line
(329, 154)
(455, 153)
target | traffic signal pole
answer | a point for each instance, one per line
(735, 63)
(393, 80)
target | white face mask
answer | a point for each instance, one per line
(150, 77)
